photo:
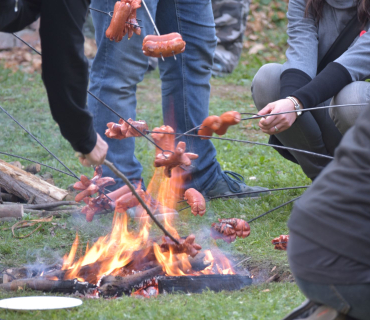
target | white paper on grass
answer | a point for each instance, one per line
(39, 303)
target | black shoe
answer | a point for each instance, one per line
(310, 310)
(231, 184)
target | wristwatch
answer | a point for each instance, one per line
(296, 105)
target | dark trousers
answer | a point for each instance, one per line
(64, 66)
(352, 300)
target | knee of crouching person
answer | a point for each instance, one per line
(266, 85)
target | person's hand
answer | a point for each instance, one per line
(276, 124)
(96, 156)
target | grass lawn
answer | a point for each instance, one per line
(23, 95)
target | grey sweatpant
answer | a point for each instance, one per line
(318, 131)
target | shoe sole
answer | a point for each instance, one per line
(299, 310)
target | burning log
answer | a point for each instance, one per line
(41, 284)
(123, 130)
(173, 160)
(14, 211)
(229, 229)
(197, 284)
(187, 246)
(111, 286)
(196, 201)
(281, 243)
(25, 185)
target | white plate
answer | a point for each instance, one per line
(39, 303)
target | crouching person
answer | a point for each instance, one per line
(329, 227)
(327, 62)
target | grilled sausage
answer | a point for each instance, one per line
(196, 201)
(228, 119)
(209, 125)
(163, 46)
(117, 25)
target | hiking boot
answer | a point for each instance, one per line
(310, 310)
(231, 184)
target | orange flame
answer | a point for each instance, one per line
(111, 253)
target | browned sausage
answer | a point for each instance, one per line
(128, 200)
(172, 160)
(116, 28)
(124, 130)
(228, 119)
(196, 201)
(165, 141)
(162, 38)
(163, 46)
(209, 125)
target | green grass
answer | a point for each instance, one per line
(23, 95)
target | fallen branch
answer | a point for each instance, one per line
(29, 223)
(41, 284)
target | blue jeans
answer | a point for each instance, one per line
(352, 300)
(119, 67)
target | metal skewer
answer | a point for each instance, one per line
(150, 17)
(110, 13)
(257, 116)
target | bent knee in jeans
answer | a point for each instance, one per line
(354, 93)
(266, 85)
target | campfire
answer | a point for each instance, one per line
(129, 261)
(134, 263)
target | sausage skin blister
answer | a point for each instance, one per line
(164, 46)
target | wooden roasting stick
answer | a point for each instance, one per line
(141, 201)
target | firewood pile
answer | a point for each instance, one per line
(24, 189)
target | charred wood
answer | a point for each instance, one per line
(197, 284)
(41, 284)
(111, 285)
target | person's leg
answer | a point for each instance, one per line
(352, 300)
(354, 93)
(185, 81)
(12, 21)
(116, 70)
(231, 20)
(306, 133)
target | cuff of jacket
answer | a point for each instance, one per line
(87, 143)
(291, 80)
(324, 86)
